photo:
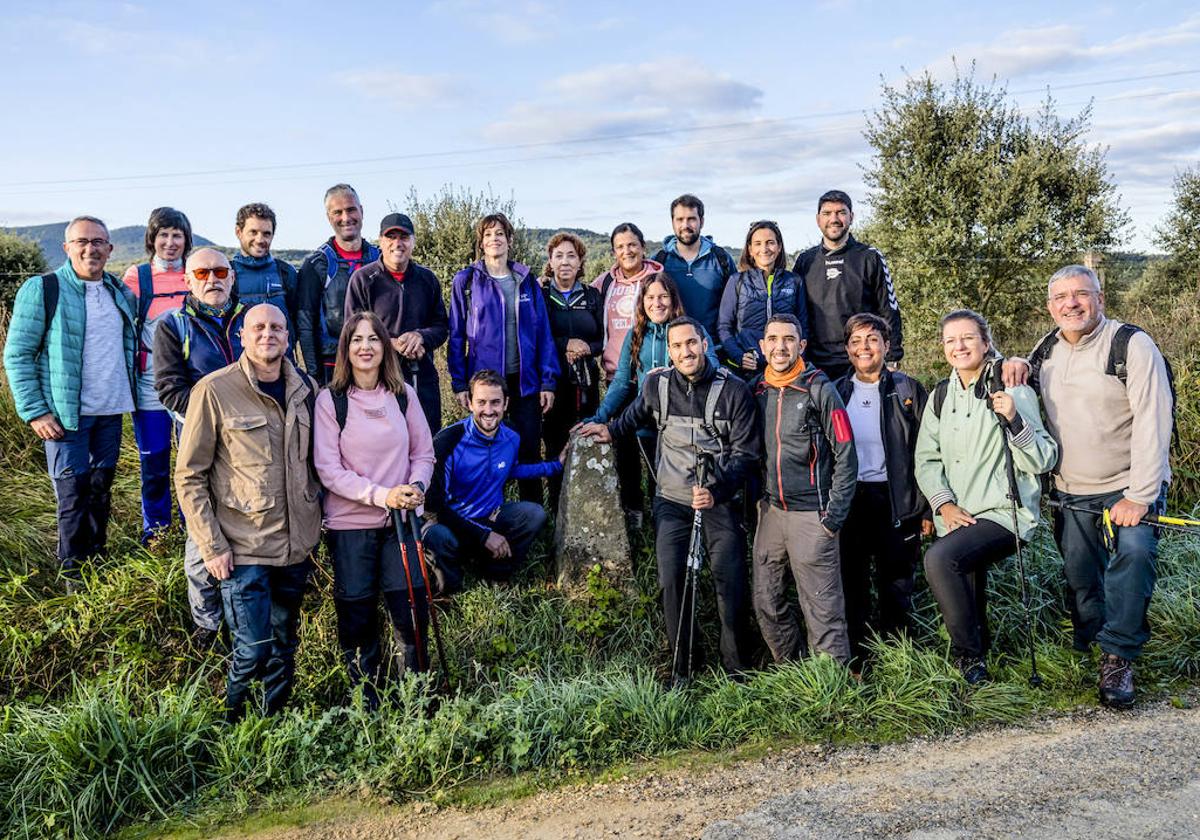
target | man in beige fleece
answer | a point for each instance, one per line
(1108, 402)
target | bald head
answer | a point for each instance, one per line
(264, 335)
(203, 272)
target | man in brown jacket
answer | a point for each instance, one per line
(249, 497)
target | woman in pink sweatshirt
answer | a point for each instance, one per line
(373, 455)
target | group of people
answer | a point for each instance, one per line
(311, 398)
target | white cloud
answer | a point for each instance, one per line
(675, 83)
(515, 23)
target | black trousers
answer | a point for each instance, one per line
(956, 567)
(875, 552)
(525, 418)
(726, 543)
(571, 404)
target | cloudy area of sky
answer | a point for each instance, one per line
(587, 114)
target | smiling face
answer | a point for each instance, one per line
(686, 223)
(87, 246)
(345, 216)
(168, 244)
(1076, 304)
(686, 349)
(834, 220)
(867, 349)
(657, 303)
(396, 247)
(255, 236)
(366, 349)
(564, 264)
(764, 249)
(629, 252)
(488, 405)
(964, 346)
(495, 242)
(209, 289)
(264, 334)
(782, 345)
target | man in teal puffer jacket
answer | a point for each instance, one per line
(69, 362)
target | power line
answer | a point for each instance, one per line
(608, 138)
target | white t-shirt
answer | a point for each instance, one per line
(864, 408)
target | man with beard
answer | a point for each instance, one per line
(843, 277)
(261, 278)
(698, 265)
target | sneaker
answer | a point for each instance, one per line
(1116, 681)
(974, 671)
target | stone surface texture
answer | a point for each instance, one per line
(591, 524)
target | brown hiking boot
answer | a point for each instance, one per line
(1116, 681)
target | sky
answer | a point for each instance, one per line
(585, 114)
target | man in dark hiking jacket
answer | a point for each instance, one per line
(699, 267)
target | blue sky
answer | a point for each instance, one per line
(587, 114)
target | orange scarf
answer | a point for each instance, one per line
(782, 380)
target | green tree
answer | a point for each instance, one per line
(1177, 275)
(19, 260)
(975, 203)
(445, 229)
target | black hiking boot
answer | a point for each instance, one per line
(1116, 681)
(974, 671)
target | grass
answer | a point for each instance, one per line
(110, 721)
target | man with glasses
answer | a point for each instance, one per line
(202, 336)
(69, 359)
(843, 277)
(1109, 403)
(408, 299)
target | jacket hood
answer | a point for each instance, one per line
(671, 245)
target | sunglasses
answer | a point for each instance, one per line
(221, 272)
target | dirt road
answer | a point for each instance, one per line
(1091, 775)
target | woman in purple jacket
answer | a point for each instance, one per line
(373, 452)
(498, 322)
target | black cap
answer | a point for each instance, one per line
(396, 220)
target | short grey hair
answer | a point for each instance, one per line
(78, 219)
(342, 189)
(1068, 271)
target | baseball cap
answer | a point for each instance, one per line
(396, 220)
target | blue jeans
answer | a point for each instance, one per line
(262, 609)
(1111, 591)
(152, 431)
(82, 465)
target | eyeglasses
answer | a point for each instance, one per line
(83, 243)
(221, 272)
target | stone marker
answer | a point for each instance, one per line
(591, 522)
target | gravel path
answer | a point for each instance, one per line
(1091, 775)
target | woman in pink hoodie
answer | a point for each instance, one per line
(373, 452)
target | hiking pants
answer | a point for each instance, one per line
(518, 522)
(726, 556)
(956, 568)
(795, 540)
(262, 609)
(366, 563)
(152, 430)
(1110, 591)
(876, 552)
(525, 418)
(82, 464)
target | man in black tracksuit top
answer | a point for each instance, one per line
(881, 541)
(809, 481)
(408, 299)
(843, 277)
(709, 413)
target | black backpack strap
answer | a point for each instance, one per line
(661, 257)
(145, 296)
(1041, 352)
(1118, 352)
(402, 400)
(49, 306)
(724, 260)
(341, 407)
(939, 397)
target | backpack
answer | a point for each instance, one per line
(710, 403)
(341, 405)
(723, 260)
(146, 296)
(1116, 365)
(991, 376)
(49, 306)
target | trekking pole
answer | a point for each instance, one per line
(415, 522)
(1168, 523)
(1014, 496)
(398, 523)
(695, 557)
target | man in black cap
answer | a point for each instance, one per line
(408, 299)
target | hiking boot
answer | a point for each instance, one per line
(679, 683)
(974, 671)
(1116, 681)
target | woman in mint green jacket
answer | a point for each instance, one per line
(960, 467)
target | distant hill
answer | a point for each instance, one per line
(129, 243)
